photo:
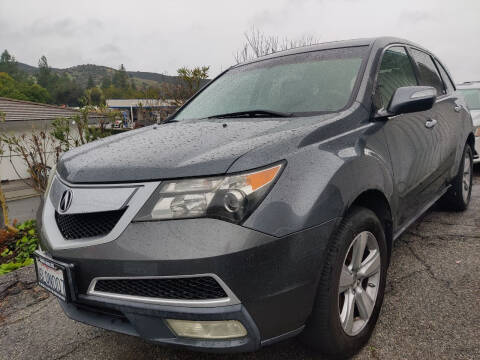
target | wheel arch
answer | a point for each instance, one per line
(376, 201)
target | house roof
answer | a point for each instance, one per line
(127, 103)
(21, 110)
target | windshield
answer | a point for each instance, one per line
(301, 84)
(472, 97)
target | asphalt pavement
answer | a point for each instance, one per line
(431, 308)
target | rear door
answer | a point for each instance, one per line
(457, 111)
(409, 141)
(446, 112)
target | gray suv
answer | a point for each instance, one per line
(266, 207)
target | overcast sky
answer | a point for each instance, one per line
(161, 36)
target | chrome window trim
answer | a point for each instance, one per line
(231, 299)
(433, 58)
(51, 233)
(379, 64)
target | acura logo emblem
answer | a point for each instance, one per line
(66, 200)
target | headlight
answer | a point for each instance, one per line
(51, 176)
(230, 198)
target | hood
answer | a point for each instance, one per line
(172, 150)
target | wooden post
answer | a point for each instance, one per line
(3, 203)
(131, 115)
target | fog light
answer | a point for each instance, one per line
(226, 329)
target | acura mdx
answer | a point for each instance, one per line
(266, 207)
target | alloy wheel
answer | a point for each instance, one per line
(359, 283)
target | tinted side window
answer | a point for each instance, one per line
(446, 79)
(396, 70)
(429, 75)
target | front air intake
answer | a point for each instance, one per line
(186, 288)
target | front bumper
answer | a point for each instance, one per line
(148, 322)
(273, 279)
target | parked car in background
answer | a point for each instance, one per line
(471, 92)
(266, 207)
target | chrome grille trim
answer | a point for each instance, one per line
(137, 196)
(231, 299)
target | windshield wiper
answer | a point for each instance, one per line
(251, 114)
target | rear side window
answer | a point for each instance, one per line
(446, 79)
(396, 70)
(429, 75)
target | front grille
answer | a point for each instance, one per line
(79, 226)
(190, 288)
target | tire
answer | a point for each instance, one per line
(325, 333)
(458, 196)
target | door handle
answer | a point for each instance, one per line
(458, 108)
(430, 123)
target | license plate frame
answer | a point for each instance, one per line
(43, 260)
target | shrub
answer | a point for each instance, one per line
(38, 150)
(16, 249)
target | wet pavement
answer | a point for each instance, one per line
(431, 308)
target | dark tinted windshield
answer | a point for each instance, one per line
(472, 97)
(302, 84)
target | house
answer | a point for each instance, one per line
(142, 112)
(25, 117)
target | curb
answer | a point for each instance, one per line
(18, 280)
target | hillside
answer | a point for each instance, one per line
(81, 73)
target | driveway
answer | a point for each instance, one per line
(431, 309)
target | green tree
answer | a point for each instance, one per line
(106, 81)
(36, 93)
(9, 88)
(8, 65)
(66, 91)
(120, 78)
(192, 78)
(90, 83)
(45, 77)
(113, 92)
(14, 89)
(94, 96)
(191, 81)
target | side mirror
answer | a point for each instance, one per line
(410, 99)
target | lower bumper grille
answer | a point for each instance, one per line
(188, 288)
(79, 226)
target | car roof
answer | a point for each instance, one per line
(378, 42)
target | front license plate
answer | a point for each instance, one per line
(52, 276)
